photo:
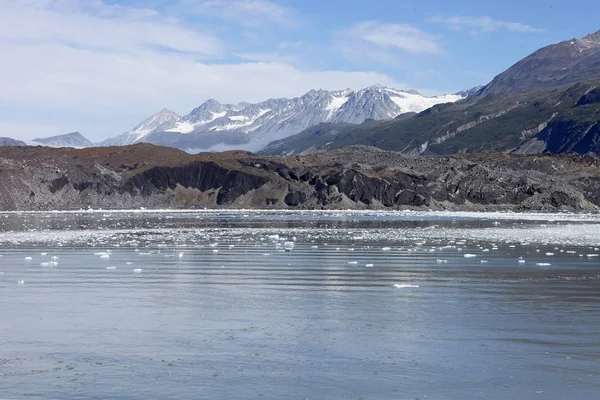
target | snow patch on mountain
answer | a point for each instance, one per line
(278, 118)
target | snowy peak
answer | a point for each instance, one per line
(73, 139)
(278, 118)
(164, 116)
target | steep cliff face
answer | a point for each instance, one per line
(349, 178)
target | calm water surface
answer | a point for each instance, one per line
(246, 305)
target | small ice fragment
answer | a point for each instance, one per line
(543, 264)
(369, 265)
(353, 262)
(105, 256)
(53, 263)
(404, 286)
(137, 271)
(549, 254)
(180, 255)
(45, 264)
(521, 261)
(20, 282)
(28, 258)
(486, 250)
(43, 254)
(215, 251)
(483, 261)
(442, 261)
(231, 246)
(386, 249)
(314, 247)
(111, 268)
(128, 263)
(592, 255)
(213, 244)
(470, 255)
(54, 258)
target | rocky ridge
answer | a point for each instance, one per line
(357, 177)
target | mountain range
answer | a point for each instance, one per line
(549, 102)
(251, 126)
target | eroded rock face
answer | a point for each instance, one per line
(203, 176)
(356, 177)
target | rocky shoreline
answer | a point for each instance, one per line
(356, 177)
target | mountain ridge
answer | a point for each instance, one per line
(276, 118)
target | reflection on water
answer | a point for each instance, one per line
(272, 305)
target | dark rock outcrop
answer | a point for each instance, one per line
(36, 178)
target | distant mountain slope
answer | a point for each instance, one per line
(560, 64)
(248, 125)
(74, 139)
(552, 120)
(548, 102)
(6, 141)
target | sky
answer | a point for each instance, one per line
(102, 66)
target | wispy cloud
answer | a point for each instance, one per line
(251, 13)
(386, 43)
(484, 24)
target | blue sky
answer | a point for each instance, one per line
(100, 67)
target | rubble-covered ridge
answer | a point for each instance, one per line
(356, 177)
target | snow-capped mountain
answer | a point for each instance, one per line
(258, 124)
(73, 139)
(163, 117)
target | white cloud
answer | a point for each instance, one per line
(252, 13)
(386, 43)
(484, 24)
(106, 63)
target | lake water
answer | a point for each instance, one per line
(311, 305)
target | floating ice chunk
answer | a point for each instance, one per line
(28, 258)
(43, 254)
(231, 246)
(137, 271)
(53, 263)
(273, 237)
(215, 251)
(521, 261)
(591, 255)
(180, 255)
(470, 255)
(512, 246)
(111, 268)
(404, 286)
(54, 258)
(543, 264)
(213, 244)
(353, 262)
(266, 254)
(128, 263)
(442, 261)
(484, 261)
(486, 250)
(386, 249)
(314, 247)
(570, 252)
(45, 264)
(288, 245)
(369, 265)
(549, 254)
(20, 282)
